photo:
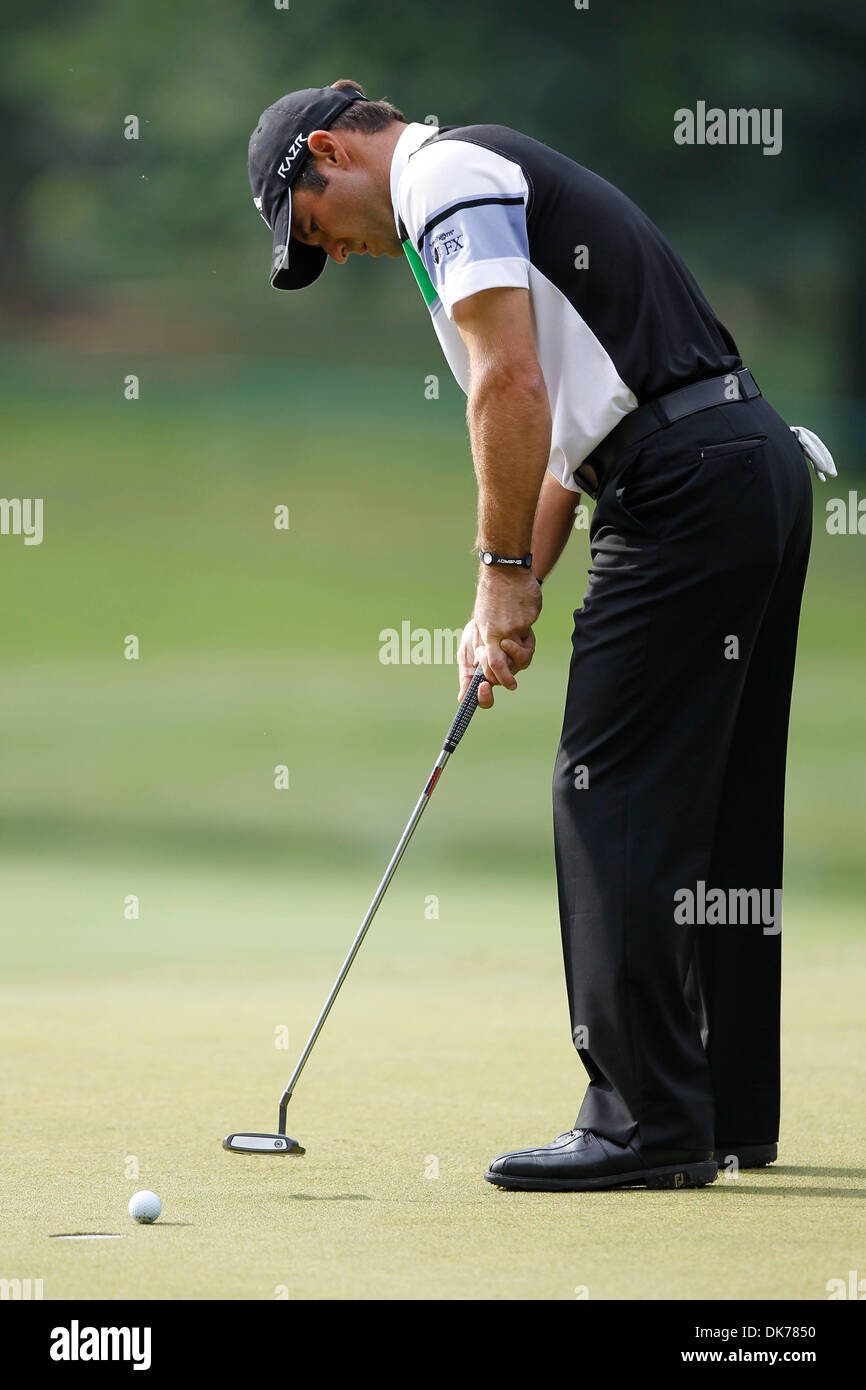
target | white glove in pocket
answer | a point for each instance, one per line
(816, 452)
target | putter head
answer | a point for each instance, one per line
(280, 1144)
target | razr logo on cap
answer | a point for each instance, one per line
(290, 156)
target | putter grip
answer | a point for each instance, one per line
(468, 706)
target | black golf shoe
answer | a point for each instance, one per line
(580, 1160)
(747, 1155)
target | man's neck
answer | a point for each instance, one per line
(380, 152)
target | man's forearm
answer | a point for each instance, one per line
(509, 429)
(554, 520)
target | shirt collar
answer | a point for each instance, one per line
(412, 139)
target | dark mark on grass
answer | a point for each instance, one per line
(155, 1225)
(326, 1197)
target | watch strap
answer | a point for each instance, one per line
(490, 557)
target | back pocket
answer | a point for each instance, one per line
(732, 446)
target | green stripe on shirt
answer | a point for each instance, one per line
(419, 270)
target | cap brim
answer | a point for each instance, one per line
(293, 265)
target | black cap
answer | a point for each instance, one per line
(278, 152)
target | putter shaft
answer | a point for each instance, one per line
(468, 706)
(362, 931)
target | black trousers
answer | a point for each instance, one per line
(670, 775)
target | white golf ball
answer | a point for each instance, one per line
(144, 1207)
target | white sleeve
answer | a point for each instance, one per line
(464, 208)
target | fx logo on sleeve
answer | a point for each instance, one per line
(446, 243)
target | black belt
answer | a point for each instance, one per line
(655, 415)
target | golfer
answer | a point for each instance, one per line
(592, 363)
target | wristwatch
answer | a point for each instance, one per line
(490, 557)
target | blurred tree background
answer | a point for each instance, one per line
(152, 245)
(261, 648)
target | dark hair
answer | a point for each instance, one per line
(364, 116)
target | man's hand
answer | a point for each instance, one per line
(499, 633)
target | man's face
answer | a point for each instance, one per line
(349, 218)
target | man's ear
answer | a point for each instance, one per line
(323, 145)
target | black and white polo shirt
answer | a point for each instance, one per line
(618, 319)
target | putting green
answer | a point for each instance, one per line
(150, 1038)
(447, 1046)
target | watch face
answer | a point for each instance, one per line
(487, 557)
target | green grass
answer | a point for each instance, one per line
(154, 1037)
